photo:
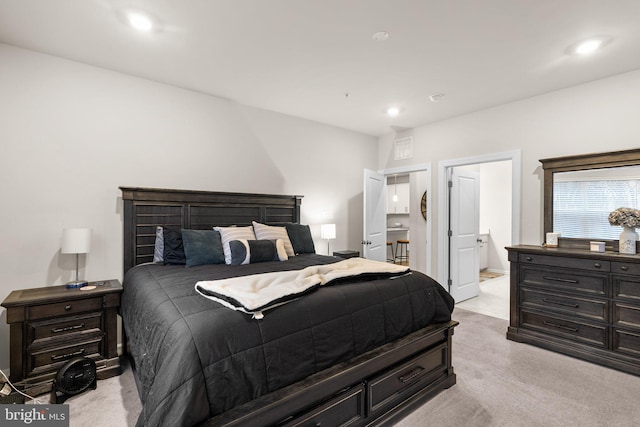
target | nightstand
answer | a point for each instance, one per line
(346, 254)
(51, 325)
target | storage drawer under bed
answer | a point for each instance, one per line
(343, 410)
(386, 389)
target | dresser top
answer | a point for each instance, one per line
(576, 253)
(49, 294)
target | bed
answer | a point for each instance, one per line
(361, 350)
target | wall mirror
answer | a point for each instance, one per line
(580, 191)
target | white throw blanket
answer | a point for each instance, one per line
(258, 292)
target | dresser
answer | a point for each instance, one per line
(53, 324)
(580, 303)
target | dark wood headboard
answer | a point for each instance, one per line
(147, 208)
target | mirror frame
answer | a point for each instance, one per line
(578, 163)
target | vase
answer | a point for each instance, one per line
(628, 239)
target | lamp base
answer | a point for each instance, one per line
(76, 284)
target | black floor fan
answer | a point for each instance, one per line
(74, 377)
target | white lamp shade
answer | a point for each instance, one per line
(328, 231)
(75, 241)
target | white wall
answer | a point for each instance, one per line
(495, 212)
(594, 117)
(71, 134)
(418, 225)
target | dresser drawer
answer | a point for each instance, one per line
(63, 326)
(626, 315)
(626, 287)
(626, 342)
(566, 262)
(343, 410)
(64, 308)
(574, 306)
(388, 387)
(566, 280)
(625, 268)
(575, 330)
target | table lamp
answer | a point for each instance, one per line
(328, 231)
(76, 241)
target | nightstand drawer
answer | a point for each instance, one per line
(67, 325)
(49, 356)
(64, 308)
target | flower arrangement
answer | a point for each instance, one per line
(626, 217)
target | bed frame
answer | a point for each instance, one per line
(375, 388)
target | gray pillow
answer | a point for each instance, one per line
(300, 236)
(202, 247)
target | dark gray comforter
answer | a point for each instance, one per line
(196, 359)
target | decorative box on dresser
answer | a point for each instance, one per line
(581, 303)
(51, 325)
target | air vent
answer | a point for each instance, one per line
(403, 148)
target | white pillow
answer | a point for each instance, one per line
(269, 232)
(228, 234)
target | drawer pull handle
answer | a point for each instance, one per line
(624, 268)
(558, 279)
(67, 307)
(411, 375)
(564, 304)
(597, 265)
(64, 356)
(566, 328)
(529, 258)
(67, 328)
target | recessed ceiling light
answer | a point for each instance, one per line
(589, 46)
(140, 21)
(393, 111)
(380, 36)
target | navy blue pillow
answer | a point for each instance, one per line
(301, 240)
(173, 246)
(202, 247)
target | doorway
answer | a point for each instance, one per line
(491, 221)
(417, 179)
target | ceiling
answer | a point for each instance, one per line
(317, 59)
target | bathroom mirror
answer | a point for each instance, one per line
(581, 190)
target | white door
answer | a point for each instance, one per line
(464, 214)
(374, 243)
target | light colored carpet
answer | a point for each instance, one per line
(504, 383)
(500, 383)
